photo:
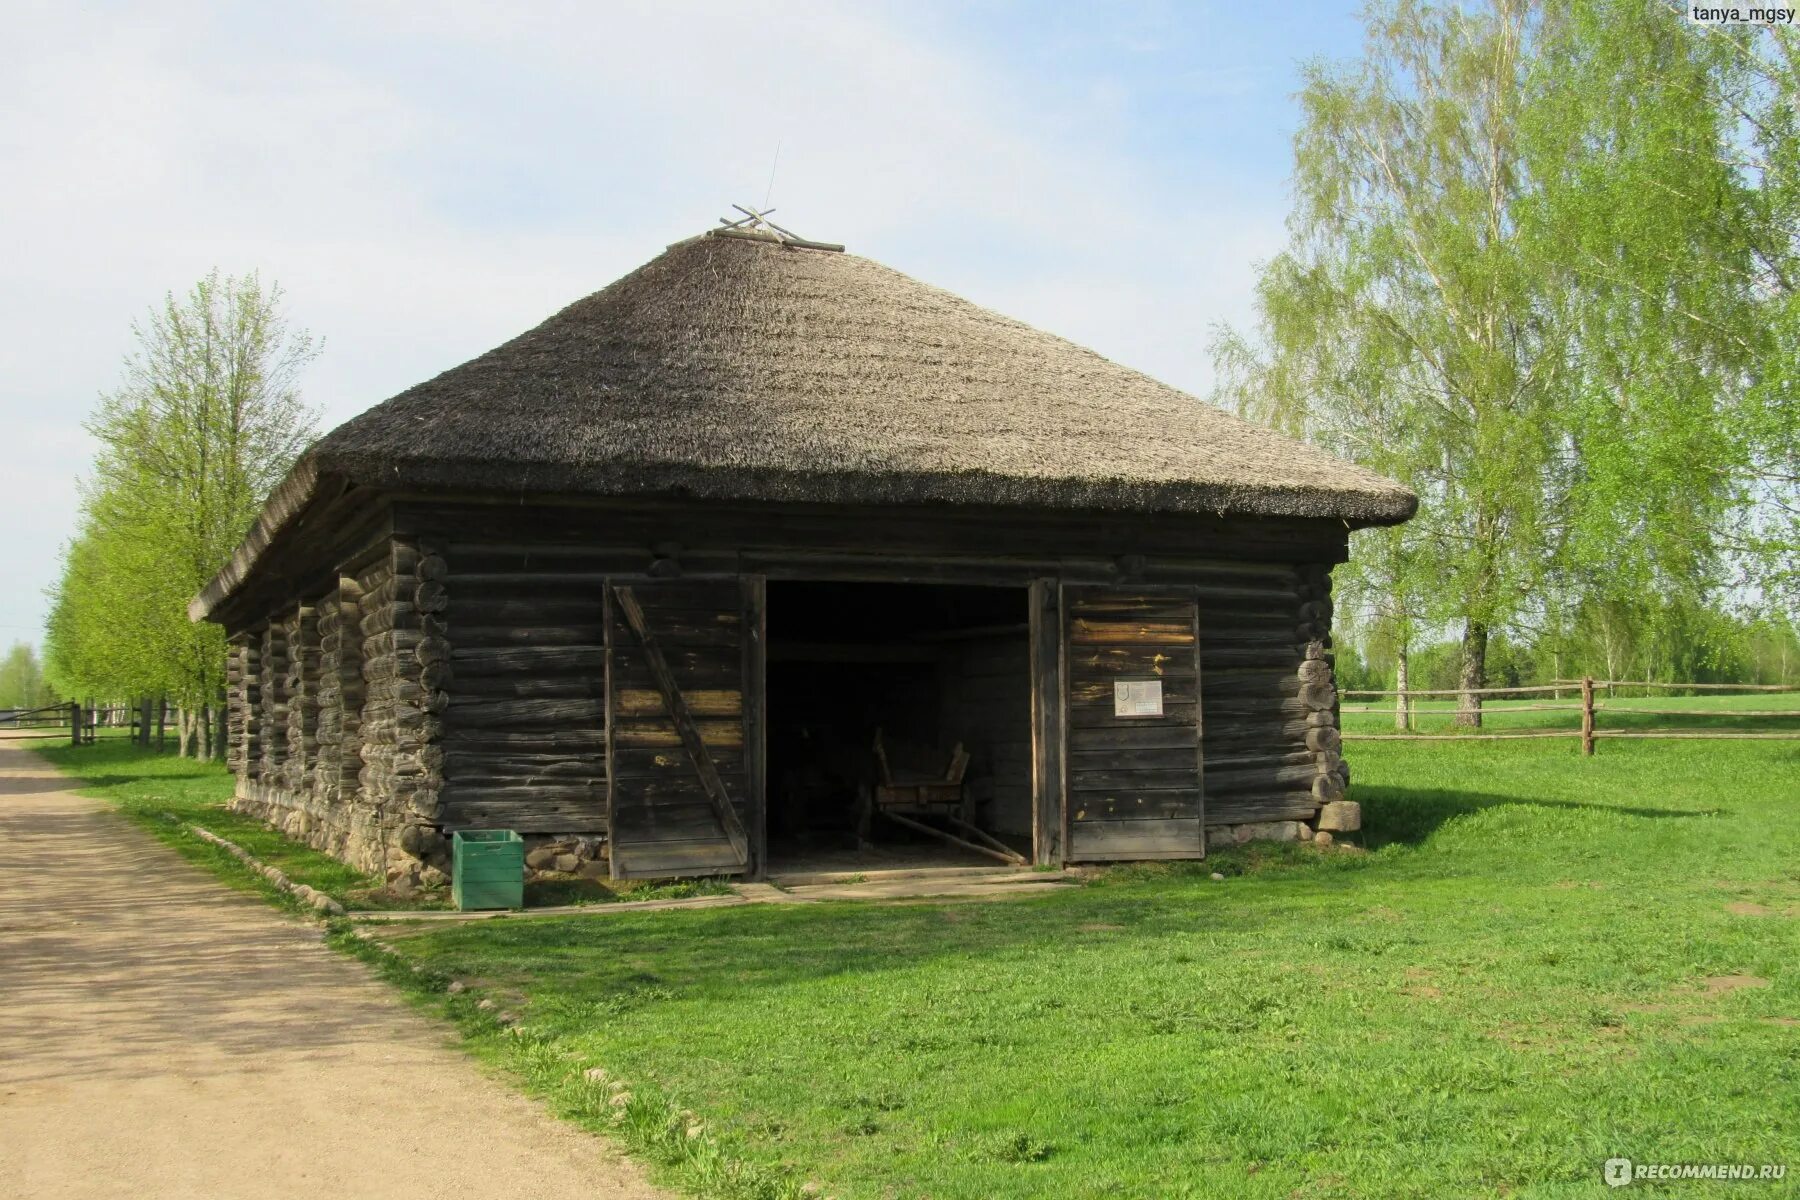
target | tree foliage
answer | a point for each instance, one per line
(206, 422)
(22, 684)
(1530, 274)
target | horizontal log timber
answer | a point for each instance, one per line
(633, 762)
(584, 659)
(1135, 734)
(1127, 804)
(499, 637)
(1236, 809)
(1090, 662)
(641, 732)
(1226, 736)
(651, 860)
(1097, 692)
(1240, 542)
(635, 788)
(1146, 780)
(459, 795)
(1113, 758)
(1110, 633)
(1266, 754)
(530, 687)
(476, 712)
(599, 551)
(702, 702)
(1269, 657)
(473, 604)
(587, 819)
(666, 823)
(638, 805)
(584, 761)
(559, 741)
(1096, 716)
(1260, 778)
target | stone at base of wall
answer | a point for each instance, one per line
(566, 854)
(397, 848)
(1223, 837)
(391, 846)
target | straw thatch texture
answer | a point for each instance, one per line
(742, 369)
(738, 369)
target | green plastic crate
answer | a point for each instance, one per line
(487, 869)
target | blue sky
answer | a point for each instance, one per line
(428, 180)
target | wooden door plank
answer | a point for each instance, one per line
(1048, 708)
(753, 705)
(614, 868)
(1199, 728)
(1132, 785)
(691, 740)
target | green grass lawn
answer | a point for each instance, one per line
(1540, 962)
(151, 788)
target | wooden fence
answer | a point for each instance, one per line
(80, 724)
(1589, 707)
(61, 722)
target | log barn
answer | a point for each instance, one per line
(768, 551)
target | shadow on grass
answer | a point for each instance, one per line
(1409, 816)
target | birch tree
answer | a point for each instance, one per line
(1538, 270)
(1403, 326)
(207, 421)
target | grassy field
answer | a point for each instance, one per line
(1540, 962)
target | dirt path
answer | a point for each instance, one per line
(162, 1036)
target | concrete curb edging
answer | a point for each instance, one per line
(306, 895)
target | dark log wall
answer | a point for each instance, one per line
(301, 687)
(272, 718)
(455, 675)
(1265, 662)
(525, 730)
(242, 702)
(346, 731)
(405, 671)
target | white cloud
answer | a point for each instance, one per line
(425, 182)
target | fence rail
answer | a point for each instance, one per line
(1588, 707)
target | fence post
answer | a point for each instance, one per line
(74, 722)
(1587, 714)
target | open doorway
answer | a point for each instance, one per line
(923, 670)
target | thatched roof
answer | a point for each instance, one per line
(742, 369)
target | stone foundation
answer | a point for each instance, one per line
(396, 848)
(1335, 819)
(583, 854)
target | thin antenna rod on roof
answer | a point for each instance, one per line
(772, 166)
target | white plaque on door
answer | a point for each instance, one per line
(1137, 698)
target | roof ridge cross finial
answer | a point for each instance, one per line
(755, 223)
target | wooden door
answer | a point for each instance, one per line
(1134, 786)
(684, 759)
